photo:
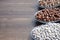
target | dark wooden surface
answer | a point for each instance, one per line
(16, 18)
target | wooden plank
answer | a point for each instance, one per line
(16, 19)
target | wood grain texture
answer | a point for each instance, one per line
(16, 19)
